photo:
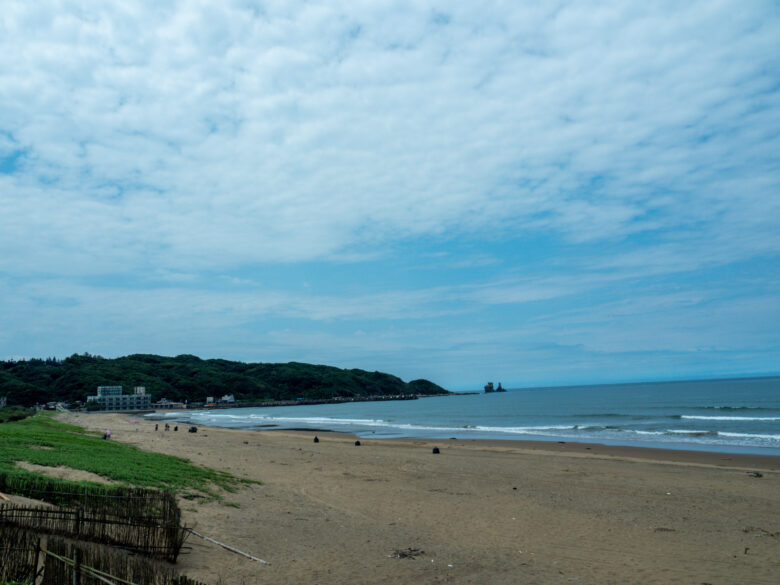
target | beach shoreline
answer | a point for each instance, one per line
(671, 454)
(724, 417)
(391, 511)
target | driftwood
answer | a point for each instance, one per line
(3, 496)
(228, 547)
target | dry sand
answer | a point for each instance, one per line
(478, 512)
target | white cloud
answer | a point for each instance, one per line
(303, 131)
(187, 139)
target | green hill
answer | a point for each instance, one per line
(187, 377)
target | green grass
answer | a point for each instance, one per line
(44, 441)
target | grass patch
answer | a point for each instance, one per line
(12, 413)
(44, 441)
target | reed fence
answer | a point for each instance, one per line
(56, 561)
(138, 519)
(154, 536)
(118, 499)
(18, 555)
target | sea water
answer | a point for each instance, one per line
(736, 415)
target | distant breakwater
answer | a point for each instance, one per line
(306, 402)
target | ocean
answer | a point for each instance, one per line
(735, 415)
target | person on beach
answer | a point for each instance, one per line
(155, 426)
(107, 434)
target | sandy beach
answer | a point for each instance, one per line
(478, 512)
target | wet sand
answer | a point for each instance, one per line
(481, 512)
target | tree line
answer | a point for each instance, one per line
(188, 377)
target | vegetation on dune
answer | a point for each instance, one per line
(42, 440)
(13, 413)
(187, 377)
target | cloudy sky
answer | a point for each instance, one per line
(538, 193)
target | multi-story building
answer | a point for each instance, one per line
(111, 398)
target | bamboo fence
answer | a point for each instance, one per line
(18, 555)
(154, 536)
(142, 520)
(25, 558)
(134, 501)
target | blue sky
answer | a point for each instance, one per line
(550, 193)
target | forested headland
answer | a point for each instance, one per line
(187, 377)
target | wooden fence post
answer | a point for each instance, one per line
(76, 566)
(40, 561)
(36, 562)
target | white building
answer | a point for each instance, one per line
(111, 398)
(164, 404)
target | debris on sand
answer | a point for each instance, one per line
(409, 553)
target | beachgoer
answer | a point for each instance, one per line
(108, 434)
(176, 428)
(155, 426)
